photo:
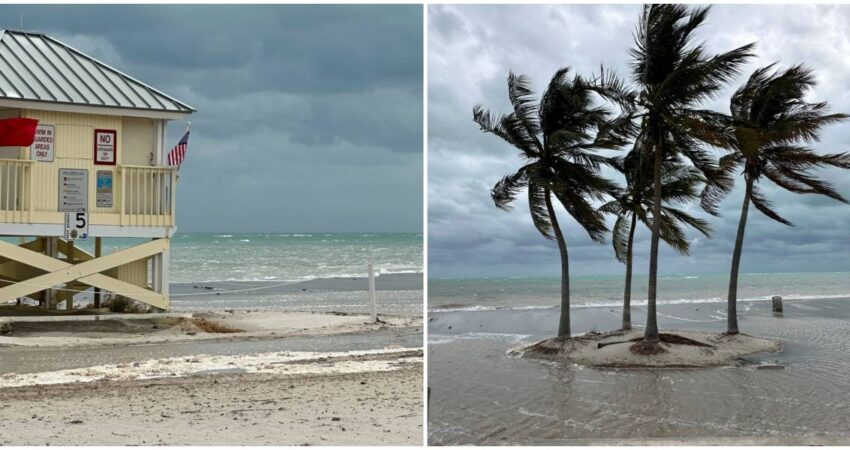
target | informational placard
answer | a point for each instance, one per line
(76, 226)
(105, 147)
(73, 190)
(42, 146)
(103, 198)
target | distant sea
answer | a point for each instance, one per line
(480, 294)
(289, 271)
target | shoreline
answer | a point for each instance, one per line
(252, 325)
(232, 378)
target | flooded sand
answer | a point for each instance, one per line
(481, 396)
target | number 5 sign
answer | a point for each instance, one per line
(76, 226)
(105, 147)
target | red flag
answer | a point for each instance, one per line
(17, 132)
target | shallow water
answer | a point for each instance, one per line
(395, 294)
(481, 396)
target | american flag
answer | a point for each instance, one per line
(178, 153)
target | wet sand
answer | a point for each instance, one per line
(800, 395)
(282, 379)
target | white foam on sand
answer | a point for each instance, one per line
(281, 363)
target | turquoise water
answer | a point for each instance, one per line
(288, 271)
(207, 257)
(518, 293)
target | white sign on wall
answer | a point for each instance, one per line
(105, 147)
(73, 190)
(42, 146)
(76, 226)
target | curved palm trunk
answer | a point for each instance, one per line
(627, 294)
(732, 306)
(651, 334)
(564, 323)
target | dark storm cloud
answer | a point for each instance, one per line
(309, 117)
(471, 50)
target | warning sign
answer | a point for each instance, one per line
(105, 144)
(42, 146)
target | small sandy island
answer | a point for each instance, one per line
(678, 349)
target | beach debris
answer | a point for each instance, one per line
(213, 327)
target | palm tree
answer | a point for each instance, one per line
(674, 76)
(557, 138)
(679, 185)
(767, 133)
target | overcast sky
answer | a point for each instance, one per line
(309, 117)
(472, 48)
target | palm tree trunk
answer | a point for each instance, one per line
(651, 333)
(627, 294)
(732, 307)
(564, 323)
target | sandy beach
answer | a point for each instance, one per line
(248, 324)
(273, 378)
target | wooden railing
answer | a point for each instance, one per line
(148, 195)
(15, 190)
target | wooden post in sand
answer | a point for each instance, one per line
(777, 303)
(372, 307)
(69, 302)
(98, 249)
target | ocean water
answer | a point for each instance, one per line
(289, 271)
(472, 294)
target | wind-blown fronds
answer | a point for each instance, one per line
(559, 136)
(770, 125)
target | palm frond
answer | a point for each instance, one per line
(620, 237)
(764, 206)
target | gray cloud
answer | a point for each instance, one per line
(471, 49)
(309, 117)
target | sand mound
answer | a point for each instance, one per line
(677, 349)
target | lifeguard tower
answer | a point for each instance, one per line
(96, 170)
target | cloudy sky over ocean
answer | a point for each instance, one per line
(471, 50)
(309, 117)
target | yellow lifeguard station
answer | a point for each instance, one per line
(97, 169)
